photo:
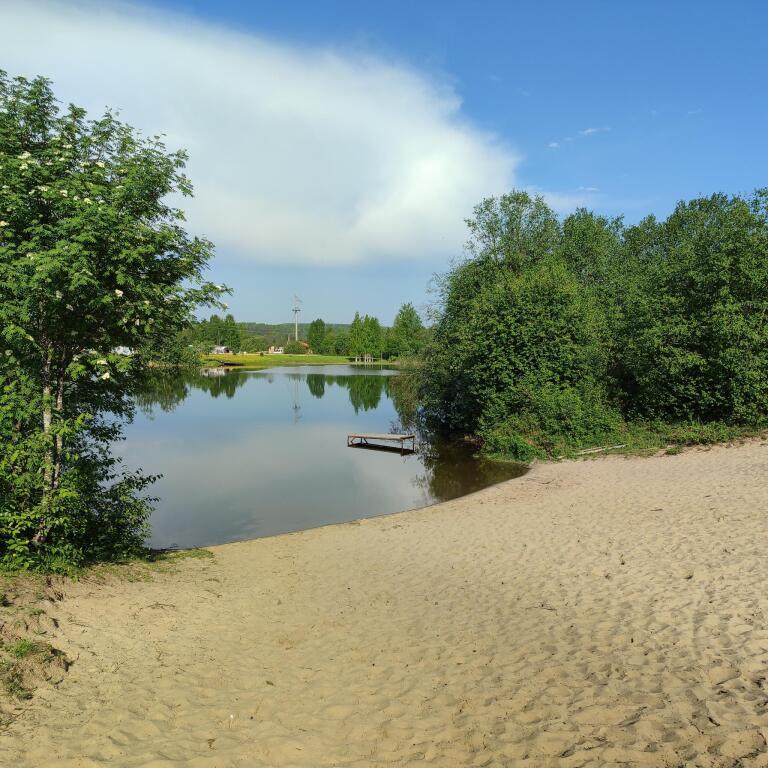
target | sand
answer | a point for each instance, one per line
(596, 613)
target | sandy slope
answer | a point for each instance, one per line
(610, 612)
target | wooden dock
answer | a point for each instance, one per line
(373, 441)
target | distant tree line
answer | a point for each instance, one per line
(553, 336)
(365, 336)
(204, 335)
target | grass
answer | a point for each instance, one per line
(257, 361)
(634, 438)
(26, 663)
(144, 567)
(646, 438)
(24, 647)
(643, 438)
(12, 681)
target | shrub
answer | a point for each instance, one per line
(517, 338)
(694, 336)
(295, 348)
(554, 421)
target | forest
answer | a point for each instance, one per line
(553, 336)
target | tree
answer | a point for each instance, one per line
(172, 352)
(356, 339)
(253, 343)
(92, 257)
(372, 338)
(365, 337)
(693, 332)
(230, 334)
(552, 337)
(406, 336)
(316, 336)
(519, 354)
(341, 344)
(514, 230)
(328, 346)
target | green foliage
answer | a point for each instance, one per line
(316, 336)
(340, 344)
(295, 348)
(693, 334)
(24, 647)
(514, 230)
(555, 421)
(407, 335)
(92, 258)
(172, 351)
(505, 334)
(366, 337)
(216, 332)
(253, 344)
(553, 338)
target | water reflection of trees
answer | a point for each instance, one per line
(365, 392)
(452, 468)
(316, 385)
(167, 390)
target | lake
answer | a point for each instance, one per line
(246, 454)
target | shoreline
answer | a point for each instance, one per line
(598, 612)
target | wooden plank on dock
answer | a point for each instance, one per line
(370, 440)
(373, 436)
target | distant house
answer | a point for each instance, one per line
(276, 350)
(221, 351)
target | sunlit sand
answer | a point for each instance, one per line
(594, 613)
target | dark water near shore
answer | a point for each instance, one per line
(255, 453)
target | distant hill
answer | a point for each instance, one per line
(279, 332)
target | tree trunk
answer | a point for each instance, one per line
(48, 468)
(47, 420)
(59, 440)
(53, 403)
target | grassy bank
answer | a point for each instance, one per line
(257, 361)
(643, 438)
(27, 659)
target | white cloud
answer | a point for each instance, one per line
(588, 189)
(298, 155)
(563, 203)
(590, 131)
(553, 145)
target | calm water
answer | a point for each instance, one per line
(256, 453)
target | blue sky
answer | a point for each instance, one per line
(624, 108)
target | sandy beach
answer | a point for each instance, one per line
(597, 613)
